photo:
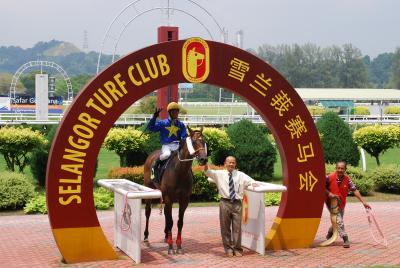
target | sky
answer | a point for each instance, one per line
(373, 26)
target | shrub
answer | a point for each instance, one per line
(272, 199)
(316, 110)
(360, 110)
(36, 205)
(377, 139)
(125, 141)
(39, 157)
(103, 199)
(134, 174)
(218, 144)
(15, 190)
(254, 153)
(147, 105)
(392, 110)
(336, 139)
(202, 188)
(16, 143)
(360, 178)
(387, 178)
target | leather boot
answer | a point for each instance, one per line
(346, 242)
(156, 171)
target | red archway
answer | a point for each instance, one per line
(93, 112)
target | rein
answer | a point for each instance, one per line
(371, 219)
(190, 159)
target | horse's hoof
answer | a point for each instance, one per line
(179, 251)
(146, 242)
(171, 251)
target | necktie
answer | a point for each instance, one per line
(231, 187)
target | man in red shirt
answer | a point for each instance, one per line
(338, 185)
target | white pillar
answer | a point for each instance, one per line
(42, 96)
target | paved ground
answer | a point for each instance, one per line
(27, 241)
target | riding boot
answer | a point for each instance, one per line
(156, 171)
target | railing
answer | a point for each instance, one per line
(139, 119)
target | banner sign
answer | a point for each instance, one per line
(27, 104)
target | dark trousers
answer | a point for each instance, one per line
(230, 215)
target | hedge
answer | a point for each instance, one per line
(134, 174)
(386, 178)
(125, 142)
(360, 110)
(218, 144)
(15, 190)
(37, 205)
(392, 110)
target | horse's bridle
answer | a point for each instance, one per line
(195, 154)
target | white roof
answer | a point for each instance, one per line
(354, 94)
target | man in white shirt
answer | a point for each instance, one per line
(231, 184)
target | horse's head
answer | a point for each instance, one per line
(199, 145)
(195, 55)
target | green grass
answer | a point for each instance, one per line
(208, 110)
(391, 156)
(107, 161)
(205, 110)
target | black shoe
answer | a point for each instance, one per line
(346, 242)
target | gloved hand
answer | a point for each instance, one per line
(157, 112)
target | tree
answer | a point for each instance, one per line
(353, 72)
(377, 139)
(379, 69)
(77, 83)
(125, 141)
(16, 143)
(337, 141)
(5, 82)
(311, 66)
(395, 76)
(254, 152)
(28, 80)
(147, 105)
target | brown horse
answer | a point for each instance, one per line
(176, 184)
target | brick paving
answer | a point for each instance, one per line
(27, 241)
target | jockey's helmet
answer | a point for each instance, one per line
(173, 106)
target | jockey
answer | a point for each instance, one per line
(171, 132)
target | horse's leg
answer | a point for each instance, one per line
(168, 225)
(183, 203)
(147, 212)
